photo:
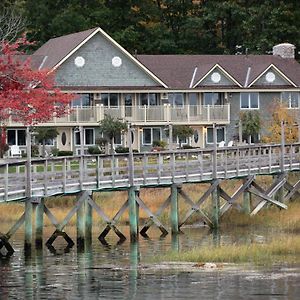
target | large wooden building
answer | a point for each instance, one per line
(154, 92)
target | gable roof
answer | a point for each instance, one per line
(177, 70)
(278, 71)
(58, 50)
(224, 72)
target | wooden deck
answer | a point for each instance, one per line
(64, 175)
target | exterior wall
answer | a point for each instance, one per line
(68, 132)
(265, 105)
(98, 69)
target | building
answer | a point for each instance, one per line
(155, 92)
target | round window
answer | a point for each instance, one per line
(63, 138)
(116, 61)
(196, 136)
(79, 61)
(270, 77)
(215, 77)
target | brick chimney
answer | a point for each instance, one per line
(284, 50)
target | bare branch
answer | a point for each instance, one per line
(11, 25)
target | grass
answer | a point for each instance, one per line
(281, 250)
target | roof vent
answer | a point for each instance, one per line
(284, 50)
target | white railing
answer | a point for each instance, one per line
(205, 114)
(56, 175)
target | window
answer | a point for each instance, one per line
(210, 135)
(150, 135)
(249, 101)
(177, 140)
(149, 99)
(110, 100)
(88, 137)
(118, 139)
(193, 99)
(213, 98)
(291, 98)
(16, 137)
(82, 100)
(176, 99)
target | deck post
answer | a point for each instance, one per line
(133, 216)
(174, 209)
(246, 200)
(28, 225)
(215, 197)
(80, 224)
(88, 220)
(39, 223)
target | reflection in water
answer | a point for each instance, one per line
(120, 272)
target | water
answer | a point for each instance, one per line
(124, 272)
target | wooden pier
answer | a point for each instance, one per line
(32, 181)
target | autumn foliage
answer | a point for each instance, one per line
(281, 113)
(27, 94)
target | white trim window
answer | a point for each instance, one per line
(249, 100)
(221, 135)
(110, 100)
(292, 98)
(148, 99)
(213, 98)
(151, 134)
(82, 100)
(88, 137)
(176, 99)
(16, 137)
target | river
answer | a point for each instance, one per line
(126, 272)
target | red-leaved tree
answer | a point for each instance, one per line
(27, 95)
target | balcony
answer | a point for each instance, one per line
(140, 115)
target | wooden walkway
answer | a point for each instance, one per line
(34, 180)
(66, 175)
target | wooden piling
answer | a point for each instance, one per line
(174, 209)
(80, 225)
(246, 200)
(133, 220)
(28, 225)
(88, 220)
(215, 197)
(39, 223)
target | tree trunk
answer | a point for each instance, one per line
(112, 150)
(44, 148)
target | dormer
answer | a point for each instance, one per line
(217, 76)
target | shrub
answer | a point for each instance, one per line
(54, 151)
(34, 150)
(94, 150)
(187, 147)
(161, 144)
(121, 149)
(64, 153)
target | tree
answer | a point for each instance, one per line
(42, 134)
(27, 95)
(251, 125)
(12, 23)
(281, 113)
(182, 132)
(111, 127)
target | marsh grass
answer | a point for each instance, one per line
(281, 250)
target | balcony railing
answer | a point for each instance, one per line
(203, 114)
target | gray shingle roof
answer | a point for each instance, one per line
(177, 70)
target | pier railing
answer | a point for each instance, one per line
(57, 175)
